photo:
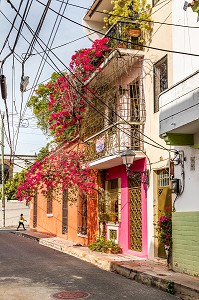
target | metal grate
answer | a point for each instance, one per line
(160, 80)
(35, 211)
(49, 203)
(135, 215)
(65, 212)
(107, 133)
(113, 234)
(118, 32)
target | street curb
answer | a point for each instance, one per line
(23, 234)
(179, 290)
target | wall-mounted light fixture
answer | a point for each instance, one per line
(128, 157)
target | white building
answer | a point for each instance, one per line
(179, 126)
(13, 208)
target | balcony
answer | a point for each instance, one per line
(179, 112)
(105, 148)
(116, 115)
(125, 34)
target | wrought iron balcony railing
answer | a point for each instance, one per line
(125, 34)
(114, 140)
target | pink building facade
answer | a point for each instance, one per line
(125, 223)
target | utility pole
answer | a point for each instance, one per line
(2, 169)
(4, 97)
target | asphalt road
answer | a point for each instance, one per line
(29, 271)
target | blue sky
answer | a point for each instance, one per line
(28, 139)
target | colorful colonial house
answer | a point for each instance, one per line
(121, 123)
(127, 86)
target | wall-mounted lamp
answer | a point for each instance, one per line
(128, 157)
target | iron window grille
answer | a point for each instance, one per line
(160, 80)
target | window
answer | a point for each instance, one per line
(134, 92)
(163, 178)
(160, 80)
(35, 211)
(50, 203)
(82, 214)
(112, 200)
(65, 212)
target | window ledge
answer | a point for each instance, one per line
(49, 215)
(116, 224)
(82, 235)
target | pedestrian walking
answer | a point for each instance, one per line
(21, 222)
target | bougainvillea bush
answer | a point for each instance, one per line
(64, 99)
(164, 227)
(61, 170)
(60, 105)
(86, 61)
(66, 107)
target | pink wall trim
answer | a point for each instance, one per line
(124, 226)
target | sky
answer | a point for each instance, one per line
(27, 139)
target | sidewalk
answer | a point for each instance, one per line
(144, 271)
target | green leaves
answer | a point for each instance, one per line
(11, 185)
(134, 10)
(39, 102)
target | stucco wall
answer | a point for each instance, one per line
(13, 209)
(157, 158)
(184, 40)
(188, 201)
(52, 223)
(186, 242)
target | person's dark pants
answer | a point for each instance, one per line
(20, 223)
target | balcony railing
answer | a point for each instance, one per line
(119, 35)
(114, 140)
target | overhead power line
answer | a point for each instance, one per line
(12, 26)
(160, 146)
(18, 32)
(133, 19)
(121, 40)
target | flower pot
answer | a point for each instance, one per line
(121, 45)
(134, 32)
(113, 218)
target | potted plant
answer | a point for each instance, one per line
(105, 246)
(136, 14)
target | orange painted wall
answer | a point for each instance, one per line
(53, 224)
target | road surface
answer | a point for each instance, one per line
(30, 271)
